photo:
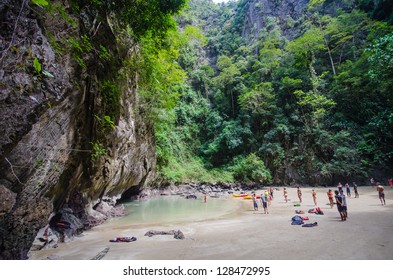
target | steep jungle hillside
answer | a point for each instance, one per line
(284, 91)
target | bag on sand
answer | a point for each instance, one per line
(297, 220)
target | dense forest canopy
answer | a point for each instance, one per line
(281, 95)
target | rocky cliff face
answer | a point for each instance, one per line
(285, 12)
(51, 117)
(288, 14)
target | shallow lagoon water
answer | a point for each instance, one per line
(173, 209)
(154, 213)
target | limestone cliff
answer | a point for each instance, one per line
(62, 146)
(288, 14)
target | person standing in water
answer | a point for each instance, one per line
(299, 194)
(204, 198)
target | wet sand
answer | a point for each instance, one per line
(251, 235)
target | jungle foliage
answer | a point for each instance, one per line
(312, 108)
(305, 99)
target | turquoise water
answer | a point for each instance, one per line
(172, 209)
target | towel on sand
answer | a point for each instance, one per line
(310, 225)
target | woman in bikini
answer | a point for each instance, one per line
(330, 195)
(314, 197)
(285, 194)
(299, 194)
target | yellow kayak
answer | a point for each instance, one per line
(250, 197)
(239, 195)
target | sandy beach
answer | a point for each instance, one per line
(252, 235)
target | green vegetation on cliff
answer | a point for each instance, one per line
(301, 95)
(304, 99)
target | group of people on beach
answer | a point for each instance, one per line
(335, 197)
(340, 189)
(266, 197)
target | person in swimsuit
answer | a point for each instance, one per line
(254, 201)
(299, 194)
(271, 190)
(314, 196)
(381, 194)
(330, 195)
(285, 194)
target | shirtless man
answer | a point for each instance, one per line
(381, 193)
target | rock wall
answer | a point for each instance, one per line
(48, 122)
(288, 14)
(285, 12)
